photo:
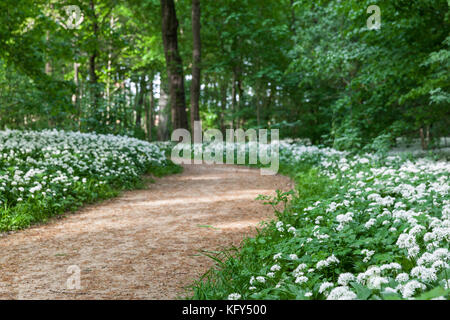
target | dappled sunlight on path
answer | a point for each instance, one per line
(142, 245)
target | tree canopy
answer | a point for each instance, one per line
(313, 69)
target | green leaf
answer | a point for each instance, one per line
(362, 292)
(434, 293)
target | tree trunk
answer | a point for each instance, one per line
(124, 102)
(108, 77)
(223, 105)
(196, 61)
(174, 64)
(75, 96)
(163, 121)
(425, 140)
(267, 103)
(234, 97)
(48, 64)
(258, 112)
(149, 111)
(140, 101)
(422, 140)
(48, 71)
(241, 98)
(93, 79)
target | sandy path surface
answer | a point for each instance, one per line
(142, 245)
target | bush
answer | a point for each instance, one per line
(49, 172)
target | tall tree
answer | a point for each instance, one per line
(140, 100)
(196, 61)
(163, 118)
(174, 64)
(223, 104)
(149, 110)
(93, 78)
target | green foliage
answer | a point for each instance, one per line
(343, 226)
(311, 69)
(369, 81)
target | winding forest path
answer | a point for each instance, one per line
(142, 245)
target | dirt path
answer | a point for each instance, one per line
(141, 245)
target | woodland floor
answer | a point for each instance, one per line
(144, 244)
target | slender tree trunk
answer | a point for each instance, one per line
(75, 98)
(425, 140)
(196, 61)
(108, 77)
(140, 101)
(260, 100)
(124, 102)
(267, 103)
(48, 64)
(174, 64)
(92, 71)
(93, 79)
(149, 111)
(223, 105)
(82, 97)
(422, 139)
(48, 71)
(258, 112)
(241, 98)
(234, 97)
(163, 119)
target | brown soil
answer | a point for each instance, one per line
(144, 244)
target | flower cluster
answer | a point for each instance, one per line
(365, 227)
(50, 171)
